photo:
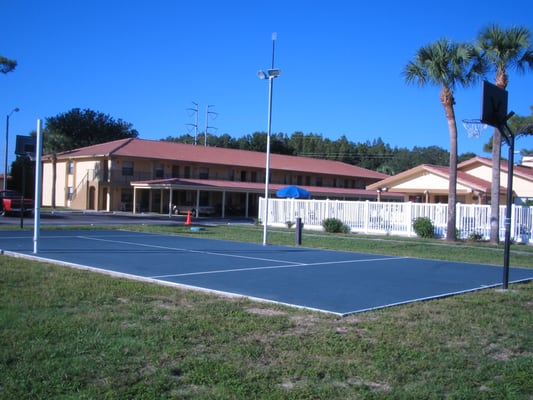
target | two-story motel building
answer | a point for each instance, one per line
(153, 176)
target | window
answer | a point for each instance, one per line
(106, 171)
(254, 177)
(71, 167)
(70, 193)
(127, 168)
(318, 181)
(159, 171)
(187, 172)
(204, 173)
(175, 171)
(243, 176)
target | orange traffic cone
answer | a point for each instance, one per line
(188, 220)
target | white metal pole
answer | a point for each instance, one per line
(6, 153)
(267, 173)
(38, 185)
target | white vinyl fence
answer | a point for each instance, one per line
(397, 218)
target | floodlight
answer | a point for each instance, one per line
(274, 73)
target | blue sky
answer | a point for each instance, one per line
(341, 62)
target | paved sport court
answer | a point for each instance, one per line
(329, 281)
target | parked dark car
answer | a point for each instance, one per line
(202, 210)
(11, 203)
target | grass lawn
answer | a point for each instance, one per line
(72, 334)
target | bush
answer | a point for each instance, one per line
(334, 225)
(475, 237)
(423, 227)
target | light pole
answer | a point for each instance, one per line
(16, 109)
(271, 74)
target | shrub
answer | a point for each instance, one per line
(334, 225)
(289, 224)
(423, 227)
(475, 237)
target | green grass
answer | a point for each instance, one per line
(476, 252)
(71, 334)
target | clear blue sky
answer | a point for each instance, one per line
(341, 61)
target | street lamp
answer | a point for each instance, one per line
(16, 109)
(271, 74)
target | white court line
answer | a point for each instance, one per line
(222, 271)
(288, 264)
(190, 251)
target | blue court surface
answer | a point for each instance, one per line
(329, 281)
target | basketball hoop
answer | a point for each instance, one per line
(474, 127)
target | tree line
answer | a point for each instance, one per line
(373, 154)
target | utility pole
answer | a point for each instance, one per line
(207, 113)
(195, 110)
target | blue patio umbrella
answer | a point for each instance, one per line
(293, 192)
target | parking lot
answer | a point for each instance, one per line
(112, 218)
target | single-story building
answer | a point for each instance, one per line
(428, 183)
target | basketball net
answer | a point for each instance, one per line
(474, 127)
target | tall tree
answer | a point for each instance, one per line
(86, 127)
(446, 64)
(503, 49)
(7, 65)
(80, 128)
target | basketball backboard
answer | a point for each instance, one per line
(26, 146)
(493, 105)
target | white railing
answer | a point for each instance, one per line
(397, 218)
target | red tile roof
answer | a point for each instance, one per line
(518, 170)
(462, 177)
(161, 150)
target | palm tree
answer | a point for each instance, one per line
(446, 64)
(7, 65)
(503, 49)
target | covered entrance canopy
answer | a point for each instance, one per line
(247, 189)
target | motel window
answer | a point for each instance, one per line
(175, 171)
(159, 171)
(204, 173)
(360, 184)
(127, 168)
(71, 167)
